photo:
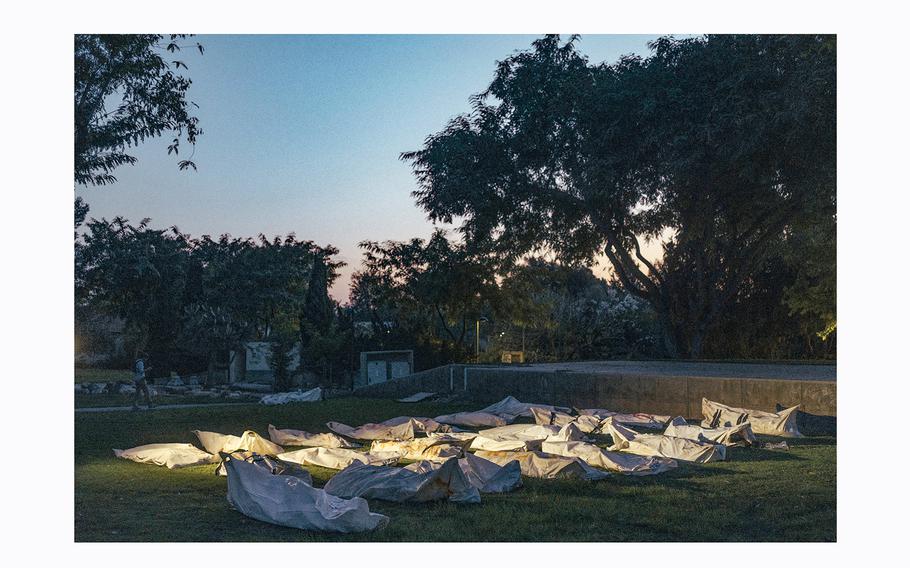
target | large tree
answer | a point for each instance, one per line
(139, 275)
(715, 145)
(127, 89)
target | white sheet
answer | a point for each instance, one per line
(638, 419)
(740, 435)
(403, 431)
(587, 423)
(288, 437)
(274, 466)
(616, 462)
(404, 485)
(472, 419)
(420, 424)
(453, 436)
(511, 408)
(431, 449)
(417, 397)
(485, 475)
(545, 466)
(312, 395)
(170, 456)
(215, 443)
(625, 440)
(288, 501)
(781, 423)
(336, 458)
(514, 437)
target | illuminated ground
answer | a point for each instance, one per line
(758, 495)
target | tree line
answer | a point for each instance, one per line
(720, 148)
(191, 303)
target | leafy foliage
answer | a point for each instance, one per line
(191, 301)
(422, 286)
(127, 90)
(137, 274)
(718, 145)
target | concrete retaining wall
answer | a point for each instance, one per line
(657, 394)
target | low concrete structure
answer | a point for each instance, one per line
(659, 387)
(380, 366)
(251, 364)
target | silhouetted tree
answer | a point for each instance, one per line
(126, 91)
(436, 280)
(138, 274)
(716, 144)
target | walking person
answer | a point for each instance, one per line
(139, 370)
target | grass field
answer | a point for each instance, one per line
(758, 495)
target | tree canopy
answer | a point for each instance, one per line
(126, 91)
(187, 299)
(441, 281)
(717, 145)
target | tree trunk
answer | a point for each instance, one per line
(210, 371)
(669, 334)
(696, 343)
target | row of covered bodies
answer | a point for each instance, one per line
(450, 462)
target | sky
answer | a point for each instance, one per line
(302, 134)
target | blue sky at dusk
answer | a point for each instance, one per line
(302, 134)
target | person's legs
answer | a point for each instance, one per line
(136, 387)
(148, 394)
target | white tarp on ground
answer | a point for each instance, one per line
(215, 443)
(420, 424)
(404, 485)
(460, 438)
(381, 431)
(783, 423)
(274, 466)
(485, 475)
(616, 462)
(336, 458)
(169, 455)
(472, 419)
(587, 423)
(312, 395)
(288, 501)
(639, 419)
(511, 408)
(433, 449)
(417, 397)
(288, 437)
(523, 437)
(625, 440)
(740, 435)
(545, 466)
(515, 437)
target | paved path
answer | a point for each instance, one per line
(161, 407)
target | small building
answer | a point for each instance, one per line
(251, 364)
(381, 366)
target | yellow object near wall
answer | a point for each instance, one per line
(513, 357)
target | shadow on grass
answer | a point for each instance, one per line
(758, 455)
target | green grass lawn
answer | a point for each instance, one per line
(758, 495)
